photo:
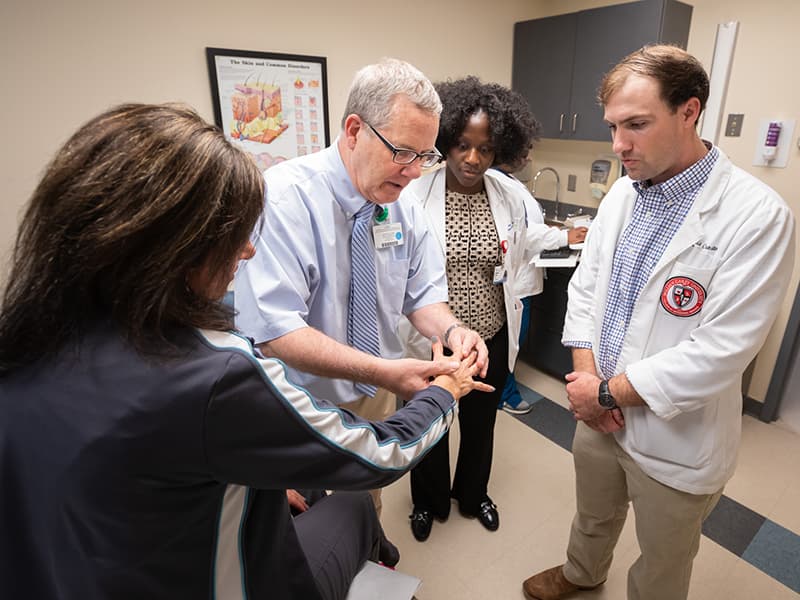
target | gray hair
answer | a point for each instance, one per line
(375, 88)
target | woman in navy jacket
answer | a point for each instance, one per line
(145, 449)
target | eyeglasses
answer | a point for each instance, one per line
(404, 156)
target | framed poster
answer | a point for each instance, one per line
(275, 106)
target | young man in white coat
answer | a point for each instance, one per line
(683, 272)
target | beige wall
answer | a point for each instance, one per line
(762, 85)
(63, 62)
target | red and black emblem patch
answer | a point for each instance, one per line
(682, 296)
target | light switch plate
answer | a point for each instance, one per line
(572, 182)
(733, 128)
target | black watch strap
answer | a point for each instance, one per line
(604, 397)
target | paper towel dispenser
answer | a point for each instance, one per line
(605, 171)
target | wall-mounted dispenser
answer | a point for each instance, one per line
(774, 142)
(605, 171)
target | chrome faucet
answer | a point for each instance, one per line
(558, 185)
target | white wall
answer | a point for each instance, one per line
(63, 61)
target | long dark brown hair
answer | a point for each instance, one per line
(136, 199)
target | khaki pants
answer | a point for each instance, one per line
(668, 521)
(378, 408)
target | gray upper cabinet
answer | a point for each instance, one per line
(560, 60)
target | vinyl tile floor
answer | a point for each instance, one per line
(750, 549)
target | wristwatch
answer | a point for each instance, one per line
(604, 397)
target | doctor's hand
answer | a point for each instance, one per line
(463, 342)
(406, 376)
(582, 391)
(461, 382)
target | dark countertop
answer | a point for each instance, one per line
(564, 209)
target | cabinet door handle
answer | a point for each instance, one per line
(561, 124)
(574, 121)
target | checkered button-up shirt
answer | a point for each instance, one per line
(658, 213)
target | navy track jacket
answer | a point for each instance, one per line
(130, 477)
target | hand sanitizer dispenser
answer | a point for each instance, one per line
(605, 171)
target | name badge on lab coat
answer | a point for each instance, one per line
(387, 235)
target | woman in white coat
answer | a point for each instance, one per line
(478, 218)
(540, 237)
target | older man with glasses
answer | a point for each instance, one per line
(339, 261)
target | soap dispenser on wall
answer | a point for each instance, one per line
(605, 171)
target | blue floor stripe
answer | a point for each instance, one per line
(776, 551)
(551, 420)
(763, 543)
(732, 525)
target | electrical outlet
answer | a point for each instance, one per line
(734, 126)
(572, 181)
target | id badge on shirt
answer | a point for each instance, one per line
(387, 235)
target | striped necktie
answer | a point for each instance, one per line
(362, 323)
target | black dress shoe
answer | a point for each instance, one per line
(421, 523)
(487, 515)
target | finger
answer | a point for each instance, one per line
(483, 387)
(445, 366)
(483, 358)
(442, 365)
(456, 342)
(469, 342)
(438, 349)
(473, 371)
(571, 376)
(470, 359)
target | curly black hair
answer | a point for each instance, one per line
(512, 125)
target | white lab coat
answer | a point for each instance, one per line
(737, 242)
(540, 237)
(506, 199)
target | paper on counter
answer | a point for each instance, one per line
(570, 261)
(582, 221)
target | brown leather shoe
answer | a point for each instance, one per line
(550, 585)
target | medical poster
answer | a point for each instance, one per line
(274, 106)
